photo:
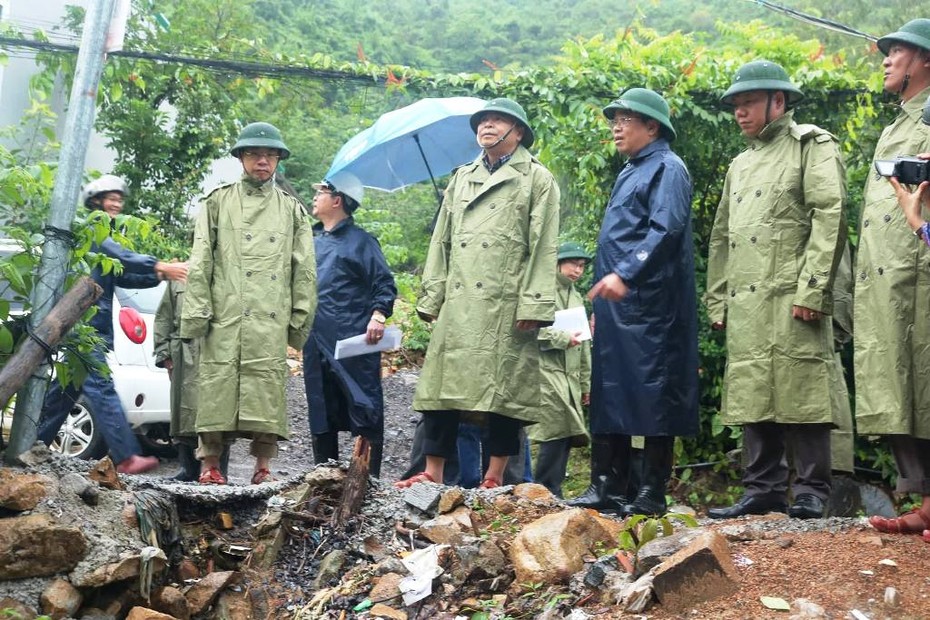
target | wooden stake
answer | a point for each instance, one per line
(356, 484)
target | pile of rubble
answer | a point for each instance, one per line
(76, 540)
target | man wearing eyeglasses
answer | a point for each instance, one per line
(779, 235)
(644, 360)
(356, 296)
(251, 292)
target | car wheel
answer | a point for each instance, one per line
(79, 436)
(156, 442)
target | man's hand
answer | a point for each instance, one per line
(805, 314)
(574, 340)
(910, 202)
(168, 365)
(429, 318)
(718, 326)
(375, 332)
(586, 398)
(611, 287)
(171, 271)
(527, 326)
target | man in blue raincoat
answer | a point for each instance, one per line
(356, 295)
(645, 358)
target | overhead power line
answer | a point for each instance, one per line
(813, 20)
(255, 69)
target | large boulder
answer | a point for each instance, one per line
(21, 492)
(36, 546)
(60, 600)
(702, 571)
(551, 549)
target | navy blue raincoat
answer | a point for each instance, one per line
(353, 280)
(138, 272)
(645, 357)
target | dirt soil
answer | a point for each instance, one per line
(840, 564)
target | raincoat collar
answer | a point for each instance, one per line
(659, 144)
(914, 106)
(563, 281)
(520, 159)
(265, 187)
(774, 129)
(340, 227)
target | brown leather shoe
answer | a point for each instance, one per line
(136, 464)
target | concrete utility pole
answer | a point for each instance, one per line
(53, 266)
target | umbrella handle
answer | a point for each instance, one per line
(416, 138)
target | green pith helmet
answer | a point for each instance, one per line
(647, 102)
(510, 108)
(570, 249)
(260, 135)
(915, 32)
(762, 75)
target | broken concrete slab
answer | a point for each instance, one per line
(702, 571)
(127, 567)
(424, 496)
(659, 549)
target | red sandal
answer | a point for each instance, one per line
(212, 475)
(262, 475)
(897, 525)
(493, 483)
(420, 477)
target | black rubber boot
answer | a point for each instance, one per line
(325, 447)
(374, 459)
(657, 471)
(190, 466)
(610, 456)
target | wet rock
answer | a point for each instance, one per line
(125, 568)
(21, 492)
(807, 610)
(202, 594)
(533, 492)
(330, 568)
(374, 548)
(423, 496)
(188, 570)
(875, 501)
(380, 610)
(104, 473)
(60, 600)
(448, 529)
(17, 607)
(450, 500)
(597, 571)
(390, 565)
(82, 487)
(233, 606)
(171, 601)
(845, 497)
(892, 598)
(477, 559)
(702, 571)
(36, 455)
(551, 548)
(386, 587)
(144, 613)
(326, 479)
(36, 546)
(659, 549)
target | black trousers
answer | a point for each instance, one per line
(551, 462)
(767, 446)
(441, 429)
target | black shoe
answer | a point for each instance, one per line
(806, 506)
(598, 497)
(649, 501)
(747, 505)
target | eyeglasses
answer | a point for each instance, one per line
(623, 121)
(256, 155)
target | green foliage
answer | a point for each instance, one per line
(640, 529)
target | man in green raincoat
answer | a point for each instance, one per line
(251, 293)
(489, 284)
(892, 299)
(778, 237)
(566, 370)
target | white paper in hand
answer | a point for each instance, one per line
(356, 345)
(573, 320)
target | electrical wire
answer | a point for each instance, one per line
(820, 22)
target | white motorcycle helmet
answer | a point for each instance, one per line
(105, 184)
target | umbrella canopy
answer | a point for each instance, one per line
(423, 140)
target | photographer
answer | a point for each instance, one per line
(892, 348)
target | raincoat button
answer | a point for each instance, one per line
(248, 274)
(247, 312)
(464, 244)
(458, 284)
(537, 295)
(493, 206)
(274, 276)
(758, 193)
(887, 218)
(739, 199)
(272, 239)
(478, 285)
(812, 282)
(205, 312)
(752, 288)
(484, 244)
(732, 244)
(865, 224)
(274, 314)
(862, 275)
(248, 236)
(752, 239)
(732, 293)
(881, 271)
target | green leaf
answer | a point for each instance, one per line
(6, 340)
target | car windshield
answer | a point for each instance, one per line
(144, 300)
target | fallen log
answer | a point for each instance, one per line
(355, 484)
(59, 321)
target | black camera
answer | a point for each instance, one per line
(908, 170)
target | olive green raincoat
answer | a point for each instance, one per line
(491, 262)
(892, 305)
(251, 291)
(842, 438)
(184, 356)
(778, 236)
(566, 375)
